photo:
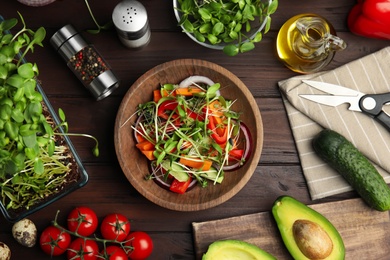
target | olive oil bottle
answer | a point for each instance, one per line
(306, 43)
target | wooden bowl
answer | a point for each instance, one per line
(135, 165)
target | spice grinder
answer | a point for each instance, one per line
(85, 62)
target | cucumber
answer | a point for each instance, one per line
(176, 170)
(212, 175)
(356, 169)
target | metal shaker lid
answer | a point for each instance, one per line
(130, 19)
(67, 34)
(62, 35)
(103, 85)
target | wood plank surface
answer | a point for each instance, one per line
(278, 172)
(364, 230)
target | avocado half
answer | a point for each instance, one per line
(235, 249)
(299, 223)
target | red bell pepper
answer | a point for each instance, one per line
(218, 133)
(167, 107)
(180, 186)
(236, 154)
(194, 115)
(370, 18)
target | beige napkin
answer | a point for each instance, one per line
(370, 74)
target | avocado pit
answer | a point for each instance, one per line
(312, 239)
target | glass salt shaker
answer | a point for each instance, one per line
(85, 62)
(131, 22)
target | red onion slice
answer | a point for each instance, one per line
(244, 130)
(140, 117)
(191, 80)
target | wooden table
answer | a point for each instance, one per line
(278, 172)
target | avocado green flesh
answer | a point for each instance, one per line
(286, 210)
(235, 250)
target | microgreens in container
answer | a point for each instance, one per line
(233, 26)
(38, 163)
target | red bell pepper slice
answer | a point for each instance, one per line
(194, 115)
(236, 154)
(370, 18)
(180, 186)
(219, 137)
(166, 108)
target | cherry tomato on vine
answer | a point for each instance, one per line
(53, 241)
(114, 253)
(115, 227)
(81, 249)
(82, 220)
(141, 243)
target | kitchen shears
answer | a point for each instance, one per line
(369, 104)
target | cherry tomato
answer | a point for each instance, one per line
(115, 227)
(53, 241)
(81, 249)
(114, 253)
(141, 243)
(82, 220)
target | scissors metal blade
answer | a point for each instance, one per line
(332, 88)
(339, 95)
(331, 100)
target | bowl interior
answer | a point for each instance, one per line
(256, 26)
(135, 166)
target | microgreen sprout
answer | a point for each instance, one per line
(34, 161)
(106, 26)
(230, 22)
(179, 129)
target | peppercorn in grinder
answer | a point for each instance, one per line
(85, 62)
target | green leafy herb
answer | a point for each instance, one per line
(178, 127)
(33, 163)
(106, 26)
(227, 21)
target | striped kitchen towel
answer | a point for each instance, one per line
(370, 75)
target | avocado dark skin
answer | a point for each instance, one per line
(305, 232)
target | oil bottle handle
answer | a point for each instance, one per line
(315, 32)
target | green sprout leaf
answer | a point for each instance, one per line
(247, 46)
(26, 71)
(232, 22)
(30, 140)
(38, 166)
(231, 50)
(106, 26)
(33, 162)
(39, 36)
(8, 24)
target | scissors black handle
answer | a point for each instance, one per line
(372, 105)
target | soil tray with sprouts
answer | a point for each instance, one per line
(75, 177)
(38, 163)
